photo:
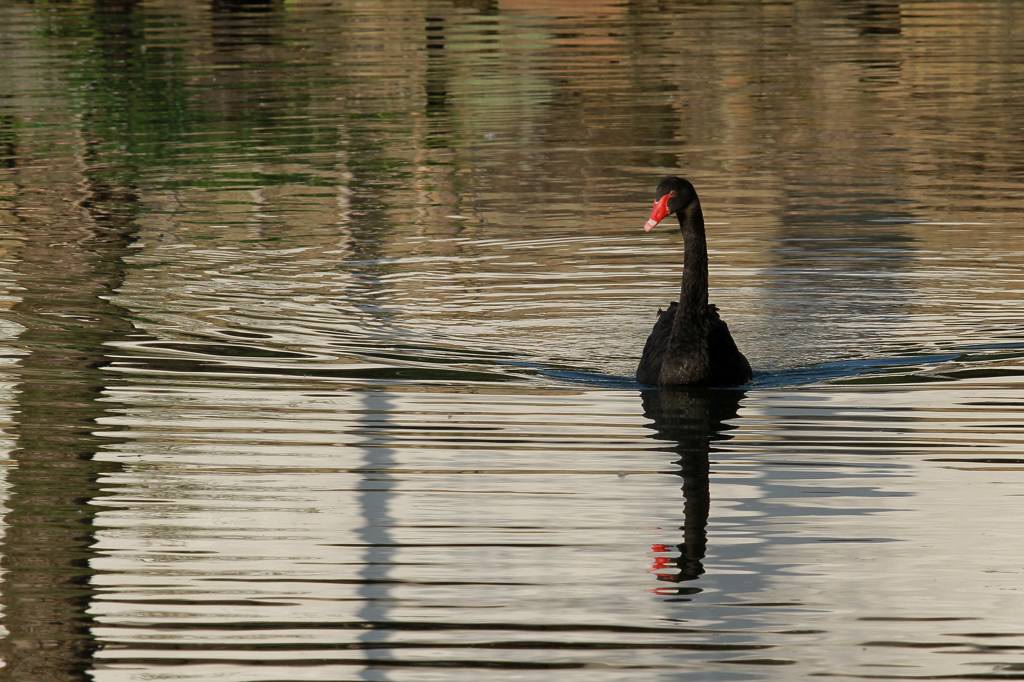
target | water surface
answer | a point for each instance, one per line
(320, 322)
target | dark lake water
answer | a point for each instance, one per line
(320, 321)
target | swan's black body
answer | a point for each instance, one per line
(690, 344)
(719, 363)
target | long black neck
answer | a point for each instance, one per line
(693, 298)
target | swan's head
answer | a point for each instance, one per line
(673, 195)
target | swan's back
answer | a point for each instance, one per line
(727, 366)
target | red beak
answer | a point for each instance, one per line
(659, 212)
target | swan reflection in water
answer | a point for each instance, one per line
(691, 420)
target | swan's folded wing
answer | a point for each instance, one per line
(729, 364)
(654, 350)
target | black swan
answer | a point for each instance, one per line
(690, 344)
